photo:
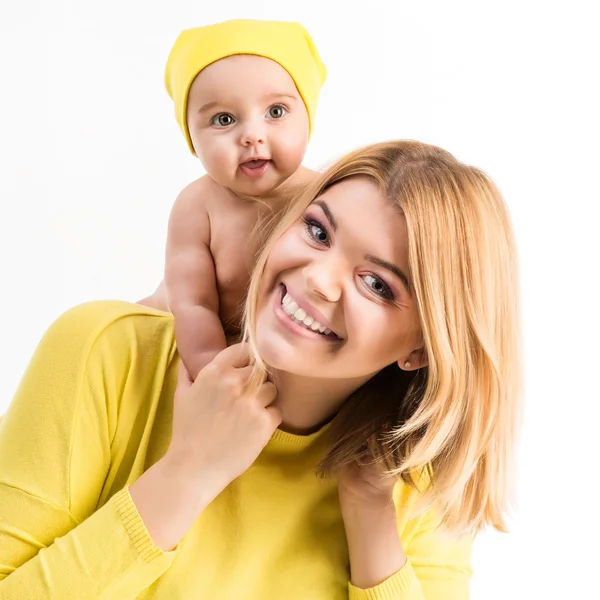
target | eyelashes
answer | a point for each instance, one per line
(380, 287)
(311, 225)
(224, 120)
(318, 233)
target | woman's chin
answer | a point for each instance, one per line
(282, 356)
(278, 355)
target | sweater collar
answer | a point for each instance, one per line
(293, 442)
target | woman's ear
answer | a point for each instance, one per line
(415, 360)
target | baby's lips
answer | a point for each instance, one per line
(255, 164)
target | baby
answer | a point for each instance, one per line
(245, 95)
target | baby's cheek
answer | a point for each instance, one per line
(291, 149)
(221, 152)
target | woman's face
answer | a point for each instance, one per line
(335, 299)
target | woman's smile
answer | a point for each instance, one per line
(300, 318)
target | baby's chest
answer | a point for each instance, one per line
(232, 268)
(230, 248)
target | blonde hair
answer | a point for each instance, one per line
(454, 422)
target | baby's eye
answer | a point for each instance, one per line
(277, 111)
(223, 120)
(378, 286)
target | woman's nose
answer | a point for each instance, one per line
(324, 278)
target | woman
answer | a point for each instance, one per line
(383, 308)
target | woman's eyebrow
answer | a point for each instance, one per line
(328, 213)
(397, 271)
(390, 267)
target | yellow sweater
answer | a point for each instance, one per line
(93, 412)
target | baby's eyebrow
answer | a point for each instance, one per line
(271, 95)
(208, 106)
(281, 95)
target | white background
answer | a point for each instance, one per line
(91, 160)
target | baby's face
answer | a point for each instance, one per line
(248, 123)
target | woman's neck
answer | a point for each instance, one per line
(308, 403)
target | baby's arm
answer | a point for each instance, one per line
(191, 281)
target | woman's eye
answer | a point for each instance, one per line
(379, 287)
(277, 111)
(223, 120)
(316, 231)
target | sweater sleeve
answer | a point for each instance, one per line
(438, 566)
(55, 444)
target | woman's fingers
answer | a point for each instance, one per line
(266, 393)
(237, 356)
(184, 381)
(275, 414)
(218, 408)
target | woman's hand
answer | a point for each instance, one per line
(219, 428)
(362, 485)
(369, 514)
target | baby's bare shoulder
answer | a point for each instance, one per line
(196, 195)
(296, 184)
(304, 176)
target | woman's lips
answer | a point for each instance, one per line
(291, 325)
(254, 168)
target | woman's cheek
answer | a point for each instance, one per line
(288, 252)
(380, 336)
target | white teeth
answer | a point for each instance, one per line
(299, 315)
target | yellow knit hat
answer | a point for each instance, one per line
(286, 43)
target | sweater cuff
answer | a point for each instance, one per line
(135, 527)
(402, 585)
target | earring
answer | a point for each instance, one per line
(407, 364)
